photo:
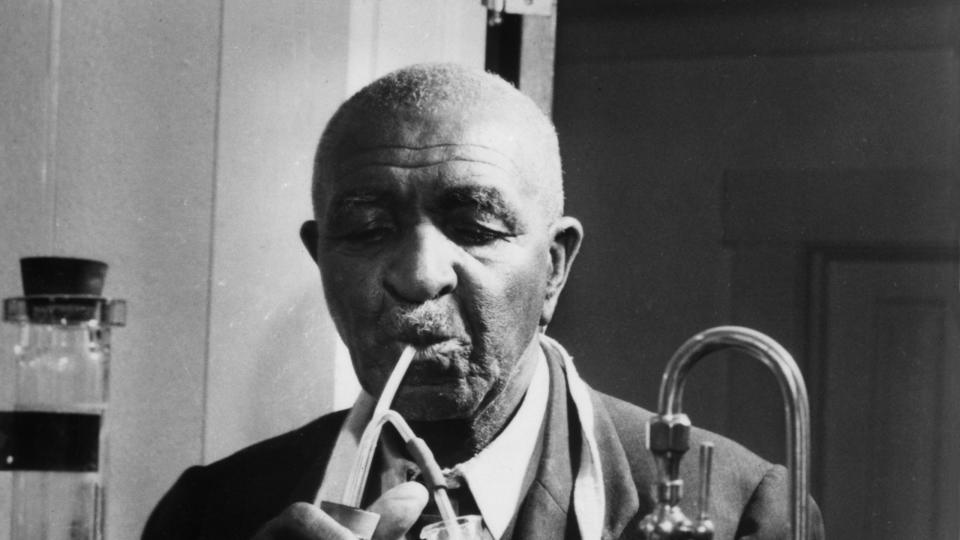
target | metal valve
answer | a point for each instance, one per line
(668, 438)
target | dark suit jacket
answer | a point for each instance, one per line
(232, 498)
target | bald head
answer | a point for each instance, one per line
(461, 100)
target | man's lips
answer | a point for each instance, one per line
(438, 359)
(424, 340)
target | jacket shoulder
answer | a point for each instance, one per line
(234, 496)
(284, 450)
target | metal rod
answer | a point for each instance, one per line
(706, 468)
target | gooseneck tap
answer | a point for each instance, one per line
(668, 434)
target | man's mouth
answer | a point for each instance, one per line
(423, 339)
(429, 340)
(438, 358)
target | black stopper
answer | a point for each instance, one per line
(62, 275)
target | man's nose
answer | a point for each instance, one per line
(423, 266)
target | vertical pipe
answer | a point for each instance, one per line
(48, 168)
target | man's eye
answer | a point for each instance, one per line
(369, 235)
(476, 235)
(364, 235)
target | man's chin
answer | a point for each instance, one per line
(430, 403)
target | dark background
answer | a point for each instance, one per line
(789, 167)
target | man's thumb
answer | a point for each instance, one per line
(399, 509)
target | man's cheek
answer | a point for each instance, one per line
(351, 304)
(520, 303)
(354, 283)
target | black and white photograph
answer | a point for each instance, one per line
(480, 269)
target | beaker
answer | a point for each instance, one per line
(462, 528)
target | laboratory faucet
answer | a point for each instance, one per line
(668, 435)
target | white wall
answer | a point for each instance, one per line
(116, 164)
(174, 140)
(285, 68)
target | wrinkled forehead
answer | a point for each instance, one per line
(423, 156)
(418, 130)
(408, 139)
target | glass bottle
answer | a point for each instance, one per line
(53, 438)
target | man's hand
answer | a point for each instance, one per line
(399, 509)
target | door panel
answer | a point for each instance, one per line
(889, 421)
(869, 311)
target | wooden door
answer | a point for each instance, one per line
(857, 273)
(888, 376)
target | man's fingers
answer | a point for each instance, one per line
(303, 521)
(399, 509)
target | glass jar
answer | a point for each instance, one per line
(53, 437)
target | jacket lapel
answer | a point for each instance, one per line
(622, 499)
(544, 512)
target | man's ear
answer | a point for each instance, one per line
(566, 235)
(309, 235)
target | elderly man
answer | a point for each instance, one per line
(439, 225)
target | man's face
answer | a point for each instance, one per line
(429, 236)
